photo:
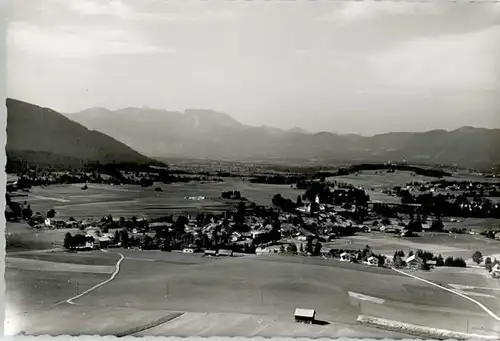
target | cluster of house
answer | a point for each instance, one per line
(445, 188)
(412, 262)
(97, 239)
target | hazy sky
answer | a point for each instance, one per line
(364, 67)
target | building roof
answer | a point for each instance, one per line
(412, 258)
(305, 312)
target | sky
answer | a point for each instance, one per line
(347, 67)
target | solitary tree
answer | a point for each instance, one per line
(68, 239)
(299, 201)
(477, 257)
(27, 212)
(51, 213)
(309, 247)
(439, 260)
(317, 248)
(488, 264)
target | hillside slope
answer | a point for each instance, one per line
(43, 136)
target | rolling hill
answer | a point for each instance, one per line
(44, 137)
(209, 134)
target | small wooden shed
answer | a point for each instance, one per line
(305, 315)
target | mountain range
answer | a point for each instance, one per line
(197, 133)
(42, 136)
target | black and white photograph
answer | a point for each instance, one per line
(300, 169)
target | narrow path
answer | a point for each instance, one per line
(480, 305)
(113, 275)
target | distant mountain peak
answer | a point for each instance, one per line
(298, 130)
(205, 133)
(203, 116)
(468, 129)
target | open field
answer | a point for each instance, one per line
(92, 258)
(369, 179)
(253, 288)
(447, 245)
(249, 296)
(127, 200)
(20, 237)
(474, 224)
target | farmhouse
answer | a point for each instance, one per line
(372, 261)
(345, 257)
(495, 271)
(225, 252)
(414, 262)
(431, 263)
(305, 315)
(159, 224)
(210, 253)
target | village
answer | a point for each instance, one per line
(306, 227)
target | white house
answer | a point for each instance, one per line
(210, 253)
(495, 271)
(301, 237)
(345, 257)
(372, 261)
(263, 250)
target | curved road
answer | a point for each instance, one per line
(113, 275)
(480, 305)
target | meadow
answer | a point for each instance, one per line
(251, 289)
(439, 243)
(128, 200)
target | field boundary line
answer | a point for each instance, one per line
(471, 287)
(162, 320)
(420, 331)
(479, 304)
(113, 275)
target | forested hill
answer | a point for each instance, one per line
(41, 136)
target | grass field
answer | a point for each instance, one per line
(270, 287)
(100, 200)
(439, 243)
(20, 237)
(249, 296)
(369, 179)
(474, 224)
